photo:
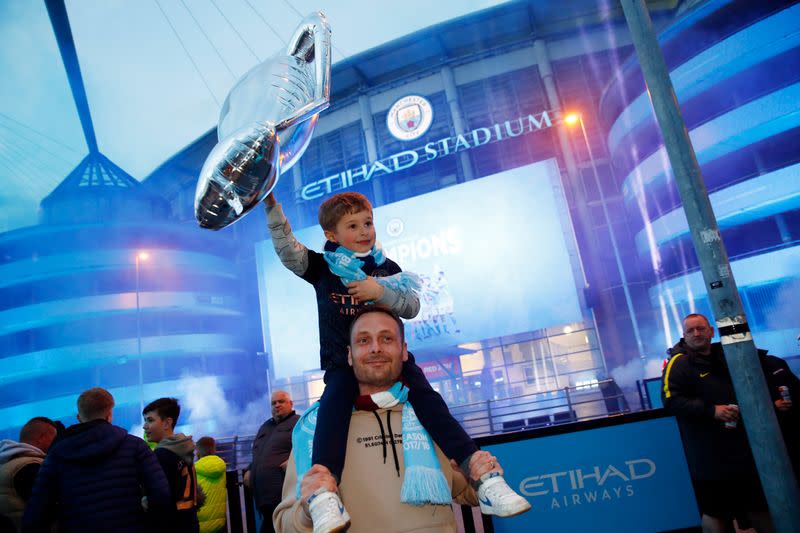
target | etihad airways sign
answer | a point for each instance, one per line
(443, 147)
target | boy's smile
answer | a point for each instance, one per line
(355, 231)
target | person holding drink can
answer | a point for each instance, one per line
(697, 389)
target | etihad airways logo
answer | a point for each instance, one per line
(443, 147)
(589, 485)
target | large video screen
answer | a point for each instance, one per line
(492, 255)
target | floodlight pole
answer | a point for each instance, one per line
(756, 407)
(139, 339)
(623, 278)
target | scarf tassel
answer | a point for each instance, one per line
(423, 485)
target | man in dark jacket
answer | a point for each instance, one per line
(95, 475)
(175, 452)
(779, 375)
(698, 390)
(271, 450)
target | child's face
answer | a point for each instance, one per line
(355, 232)
(155, 427)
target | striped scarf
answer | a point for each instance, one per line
(348, 265)
(423, 481)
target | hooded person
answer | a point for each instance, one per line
(175, 453)
(19, 465)
(211, 470)
(94, 476)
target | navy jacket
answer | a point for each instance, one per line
(93, 480)
(692, 385)
(335, 307)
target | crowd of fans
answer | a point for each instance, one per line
(94, 476)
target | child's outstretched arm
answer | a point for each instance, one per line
(399, 297)
(403, 301)
(292, 253)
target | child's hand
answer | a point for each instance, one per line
(367, 290)
(270, 200)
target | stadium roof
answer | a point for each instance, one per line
(153, 74)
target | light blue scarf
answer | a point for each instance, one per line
(423, 481)
(347, 265)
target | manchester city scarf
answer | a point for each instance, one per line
(348, 266)
(423, 481)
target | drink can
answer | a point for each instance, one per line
(733, 423)
(784, 390)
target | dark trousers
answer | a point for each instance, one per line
(336, 405)
(266, 518)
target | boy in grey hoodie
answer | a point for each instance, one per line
(175, 452)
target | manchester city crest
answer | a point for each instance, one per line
(409, 118)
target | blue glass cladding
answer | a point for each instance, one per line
(751, 84)
(69, 320)
(698, 31)
(495, 100)
(737, 76)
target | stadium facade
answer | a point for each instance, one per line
(550, 258)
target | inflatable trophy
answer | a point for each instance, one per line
(265, 125)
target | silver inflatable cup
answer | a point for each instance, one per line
(265, 125)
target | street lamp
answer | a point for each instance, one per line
(140, 256)
(575, 118)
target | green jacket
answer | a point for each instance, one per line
(211, 477)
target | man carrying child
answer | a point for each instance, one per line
(351, 273)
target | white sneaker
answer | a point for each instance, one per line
(497, 498)
(327, 512)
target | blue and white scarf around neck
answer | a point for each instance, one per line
(348, 265)
(423, 482)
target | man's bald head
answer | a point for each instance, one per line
(39, 432)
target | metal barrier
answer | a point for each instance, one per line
(491, 417)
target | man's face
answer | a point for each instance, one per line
(46, 439)
(281, 405)
(697, 333)
(155, 427)
(376, 352)
(356, 232)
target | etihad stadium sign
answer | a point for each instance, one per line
(433, 150)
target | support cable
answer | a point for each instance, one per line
(56, 141)
(241, 38)
(18, 135)
(216, 50)
(183, 45)
(23, 179)
(267, 24)
(47, 177)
